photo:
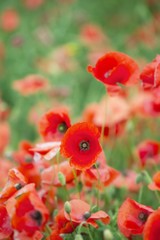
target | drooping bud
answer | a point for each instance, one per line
(62, 178)
(78, 237)
(67, 207)
(107, 235)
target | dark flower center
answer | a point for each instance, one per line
(18, 186)
(28, 159)
(143, 216)
(84, 145)
(37, 216)
(62, 127)
(86, 215)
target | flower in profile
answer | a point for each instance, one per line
(54, 124)
(5, 225)
(132, 217)
(115, 68)
(30, 84)
(26, 210)
(148, 151)
(111, 113)
(9, 20)
(150, 75)
(80, 143)
(91, 34)
(152, 226)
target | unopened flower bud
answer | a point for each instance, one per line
(107, 235)
(78, 237)
(62, 178)
(67, 207)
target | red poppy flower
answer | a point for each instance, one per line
(53, 125)
(91, 34)
(152, 227)
(15, 182)
(31, 84)
(10, 20)
(66, 223)
(82, 213)
(155, 184)
(80, 144)
(148, 150)
(114, 118)
(132, 217)
(150, 75)
(5, 225)
(114, 68)
(26, 210)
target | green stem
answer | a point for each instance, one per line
(98, 192)
(89, 233)
(140, 194)
(76, 180)
(80, 226)
(103, 125)
(57, 159)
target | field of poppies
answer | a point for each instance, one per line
(79, 120)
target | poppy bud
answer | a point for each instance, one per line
(62, 178)
(130, 125)
(107, 234)
(78, 237)
(67, 207)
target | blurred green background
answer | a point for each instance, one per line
(54, 30)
